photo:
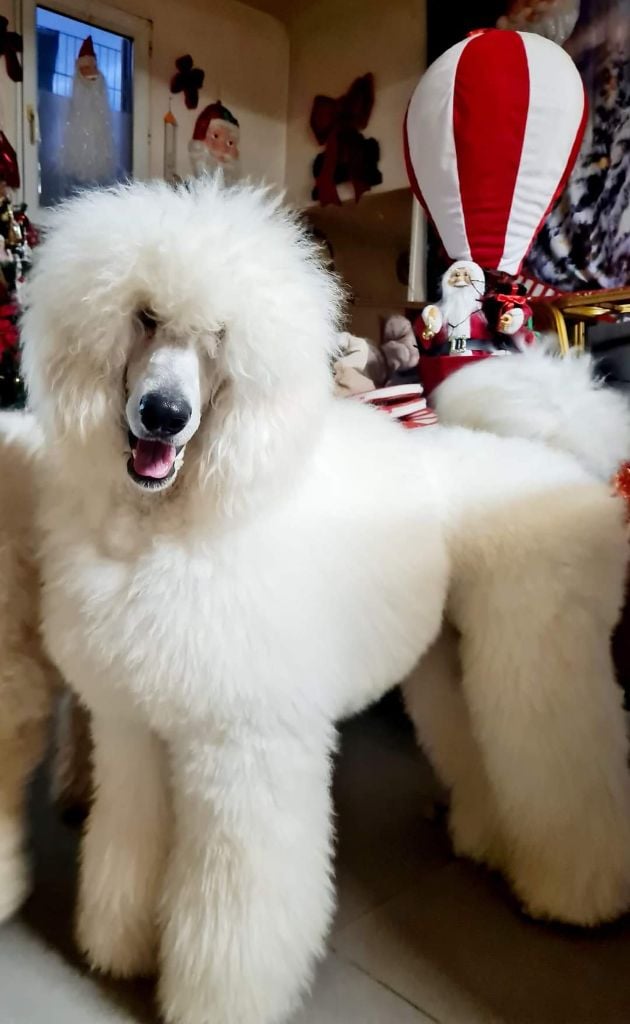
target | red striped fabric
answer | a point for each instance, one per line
(490, 104)
(395, 402)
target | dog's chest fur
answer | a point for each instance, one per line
(320, 604)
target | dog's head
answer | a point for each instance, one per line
(178, 332)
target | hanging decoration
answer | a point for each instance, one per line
(338, 124)
(17, 236)
(170, 146)
(215, 142)
(9, 171)
(87, 152)
(187, 79)
(10, 49)
(491, 134)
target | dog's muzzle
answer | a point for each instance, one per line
(162, 418)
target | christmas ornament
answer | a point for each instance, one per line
(170, 146)
(9, 171)
(10, 48)
(338, 124)
(554, 19)
(88, 152)
(491, 134)
(215, 141)
(16, 237)
(189, 80)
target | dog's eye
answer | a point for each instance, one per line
(148, 320)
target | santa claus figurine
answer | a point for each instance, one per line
(88, 154)
(215, 142)
(457, 324)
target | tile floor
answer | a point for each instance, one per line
(419, 936)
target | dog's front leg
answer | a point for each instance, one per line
(124, 849)
(248, 895)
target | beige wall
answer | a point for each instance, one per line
(268, 75)
(332, 43)
(244, 52)
(367, 240)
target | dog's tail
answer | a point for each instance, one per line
(543, 397)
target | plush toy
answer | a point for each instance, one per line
(359, 367)
(400, 346)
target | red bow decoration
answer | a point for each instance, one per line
(10, 47)
(337, 124)
(9, 336)
(187, 79)
(509, 301)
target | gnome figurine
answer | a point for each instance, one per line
(215, 142)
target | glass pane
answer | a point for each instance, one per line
(85, 105)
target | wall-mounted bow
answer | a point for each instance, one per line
(338, 124)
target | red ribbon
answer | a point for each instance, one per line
(509, 301)
(337, 124)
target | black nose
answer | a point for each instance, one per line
(163, 414)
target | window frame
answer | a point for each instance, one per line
(101, 15)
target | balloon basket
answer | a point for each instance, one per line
(433, 370)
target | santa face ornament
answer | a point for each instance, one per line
(215, 142)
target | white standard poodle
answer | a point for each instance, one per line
(233, 560)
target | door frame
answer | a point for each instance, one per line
(101, 15)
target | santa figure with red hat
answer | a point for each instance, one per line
(88, 153)
(457, 324)
(215, 142)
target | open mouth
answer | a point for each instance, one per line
(153, 465)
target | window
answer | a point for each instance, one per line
(80, 132)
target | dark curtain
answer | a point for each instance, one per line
(585, 242)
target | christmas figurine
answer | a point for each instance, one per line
(457, 324)
(87, 152)
(215, 142)
(509, 316)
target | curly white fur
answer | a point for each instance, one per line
(544, 397)
(26, 678)
(297, 568)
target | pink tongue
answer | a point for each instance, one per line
(153, 458)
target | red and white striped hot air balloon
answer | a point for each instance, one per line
(491, 134)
